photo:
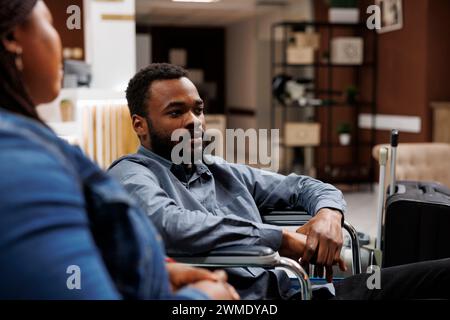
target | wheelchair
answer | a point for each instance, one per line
(264, 257)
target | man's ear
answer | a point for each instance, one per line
(139, 125)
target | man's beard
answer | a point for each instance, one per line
(162, 144)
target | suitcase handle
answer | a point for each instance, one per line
(427, 188)
(394, 138)
(394, 144)
(400, 189)
(424, 188)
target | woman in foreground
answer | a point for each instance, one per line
(67, 231)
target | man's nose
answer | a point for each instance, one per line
(193, 123)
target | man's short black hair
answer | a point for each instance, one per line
(138, 87)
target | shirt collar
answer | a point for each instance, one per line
(200, 168)
(150, 154)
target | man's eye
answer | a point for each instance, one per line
(175, 113)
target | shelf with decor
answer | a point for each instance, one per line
(324, 75)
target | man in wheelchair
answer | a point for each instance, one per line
(199, 205)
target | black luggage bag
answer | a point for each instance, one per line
(417, 223)
(414, 222)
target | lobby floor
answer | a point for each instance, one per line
(362, 211)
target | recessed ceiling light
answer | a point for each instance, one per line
(198, 1)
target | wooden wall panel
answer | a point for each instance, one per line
(69, 38)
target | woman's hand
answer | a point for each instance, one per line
(214, 284)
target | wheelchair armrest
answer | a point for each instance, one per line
(232, 256)
(286, 218)
(248, 256)
(301, 217)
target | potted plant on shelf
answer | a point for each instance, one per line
(67, 110)
(344, 131)
(343, 11)
(351, 94)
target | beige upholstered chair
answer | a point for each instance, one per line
(421, 162)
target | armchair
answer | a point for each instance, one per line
(420, 162)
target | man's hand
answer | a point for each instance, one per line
(213, 284)
(324, 241)
(292, 245)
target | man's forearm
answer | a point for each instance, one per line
(196, 232)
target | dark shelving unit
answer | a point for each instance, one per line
(357, 170)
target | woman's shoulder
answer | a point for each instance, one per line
(30, 151)
(17, 127)
(34, 140)
(36, 186)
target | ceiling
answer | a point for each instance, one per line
(221, 13)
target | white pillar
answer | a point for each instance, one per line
(110, 42)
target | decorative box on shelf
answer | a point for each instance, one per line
(307, 40)
(302, 134)
(302, 47)
(343, 15)
(343, 11)
(296, 55)
(347, 51)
